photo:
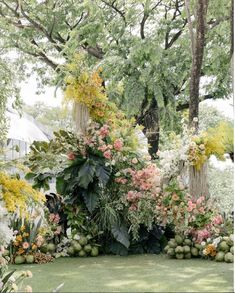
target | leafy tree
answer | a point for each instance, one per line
(9, 95)
(142, 46)
(53, 118)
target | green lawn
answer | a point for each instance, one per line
(135, 273)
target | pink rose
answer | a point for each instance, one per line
(104, 131)
(118, 144)
(25, 245)
(103, 148)
(107, 154)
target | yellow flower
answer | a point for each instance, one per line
(19, 238)
(18, 195)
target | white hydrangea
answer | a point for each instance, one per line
(6, 234)
(221, 187)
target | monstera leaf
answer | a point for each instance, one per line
(91, 199)
(120, 233)
(86, 174)
(103, 173)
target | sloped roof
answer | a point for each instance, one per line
(23, 129)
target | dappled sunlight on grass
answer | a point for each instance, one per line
(137, 273)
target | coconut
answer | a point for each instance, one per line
(166, 248)
(171, 251)
(19, 259)
(231, 249)
(223, 246)
(187, 242)
(29, 258)
(198, 246)
(43, 248)
(172, 243)
(229, 241)
(94, 251)
(70, 251)
(179, 239)
(51, 247)
(186, 249)
(179, 249)
(187, 255)
(179, 255)
(228, 257)
(83, 241)
(219, 256)
(82, 253)
(194, 251)
(77, 247)
(87, 248)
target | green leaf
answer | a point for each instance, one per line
(118, 249)
(86, 174)
(30, 176)
(60, 185)
(103, 174)
(120, 233)
(91, 200)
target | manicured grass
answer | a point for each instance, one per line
(135, 273)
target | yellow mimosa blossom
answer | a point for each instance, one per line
(18, 195)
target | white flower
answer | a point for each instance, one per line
(28, 289)
(14, 287)
(29, 274)
(203, 243)
(195, 119)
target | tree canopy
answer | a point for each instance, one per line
(142, 46)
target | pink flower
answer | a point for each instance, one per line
(103, 148)
(25, 245)
(104, 131)
(40, 240)
(118, 144)
(121, 180)
(54, 218)
(107, 154)
(217, 220)
(58, 230)
(201, 210)
(133, 207)
(200, 200)
(134, 161)
(71, 156)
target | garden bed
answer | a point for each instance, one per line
(135, 273)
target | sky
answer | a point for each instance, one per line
(29, 96)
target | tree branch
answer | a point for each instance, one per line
(111, 5)
(39, 27)
(185, 106)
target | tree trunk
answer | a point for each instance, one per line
(197, 58)
(198, 183)
(81, 117)
(149, 118)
